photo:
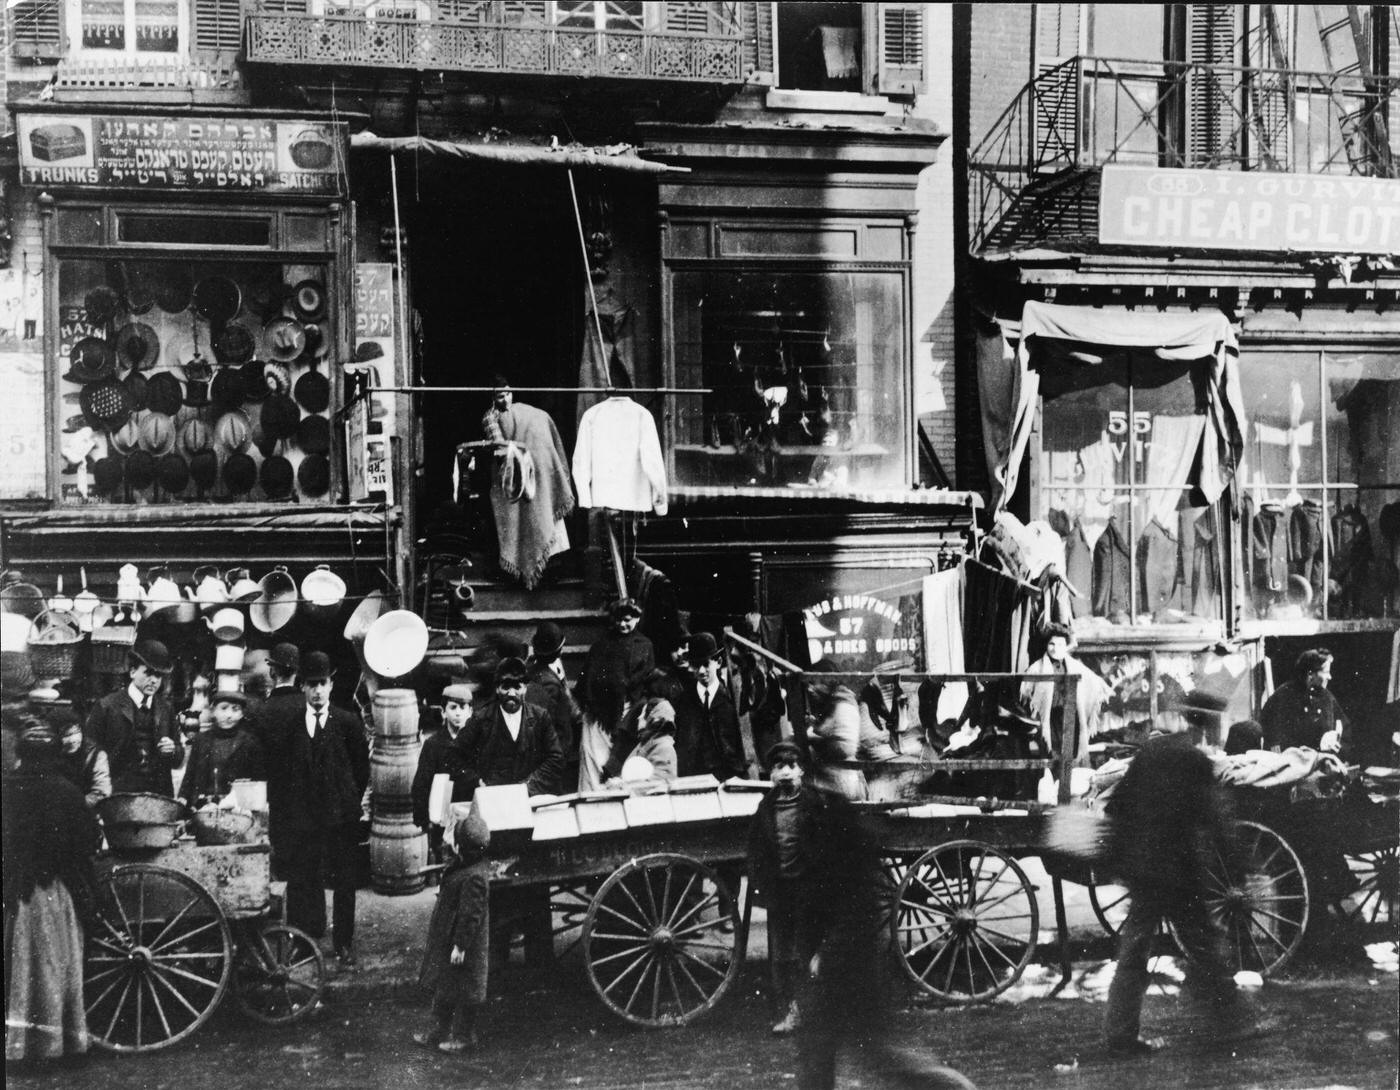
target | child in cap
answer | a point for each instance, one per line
(455, 962)
(228, 752)
(438, 756)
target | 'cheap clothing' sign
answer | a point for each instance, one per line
(1233, 210)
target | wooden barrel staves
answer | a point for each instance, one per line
(398, 849)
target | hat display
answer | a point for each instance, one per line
(91, 359)
(140, 470)
(204, 469)
(126, 438)
(315, 667)
(232, 432)
(276, 477)
(106, 404)
(368, 350)
(285, 656)
(234, 344)
(107, 474)
(701, 649)
(317, 343)
(1389, 521)
(217, 298)
(195, 435)
(266, 293)
(309, 300)
(164, 393)
(396, 643)
(240, 474)
(313, 391)
(154, 655)
(138, 346)
(314, 434)
(172, 473)
(173, 289)
(227, 389)
(254, 380)
(139, 287)
(157, 433)
(457, 694)
(286, 339)
(314, 475)
(137, 386)
(101, 305)
(198, 372)
(547, 642)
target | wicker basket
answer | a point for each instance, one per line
(110, 646)
(54, 643)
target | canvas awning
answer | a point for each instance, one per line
(1009, 386)
(622, 157)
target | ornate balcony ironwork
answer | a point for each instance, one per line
(1034, 176)
(457, 37)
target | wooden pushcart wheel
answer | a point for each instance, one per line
(1259, 895)
(1377, 872)
(279, 974)
(1110, 904)
(966, 921)
(157, 959)
(661, 940)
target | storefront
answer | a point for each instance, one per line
(196, 316)
(1213, 438)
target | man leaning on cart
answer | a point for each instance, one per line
(136, 725)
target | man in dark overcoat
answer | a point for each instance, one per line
(318, 769)
(136, 725)
(511, 741)
(707, 724)
(546, 686)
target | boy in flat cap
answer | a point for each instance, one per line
(228, 752)
(437, 757)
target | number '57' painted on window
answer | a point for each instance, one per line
(1118, 423)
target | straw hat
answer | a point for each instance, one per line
(196, 435)
(157, 433)
(286, 340)
(138, 346)
(127, 438)
(309, 300)
(232, 432)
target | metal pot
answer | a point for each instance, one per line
(242, 586)
(396, 643)
(128, 836)
(228, 657)
(322, 592)
(276, 603)
(227, 624)
(140, 807)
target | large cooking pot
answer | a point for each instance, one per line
(140, 807)
(322, 591)
(276, 603)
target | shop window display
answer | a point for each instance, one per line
(806, 378)
(1118, 443)
(1321, 473)
(183, 381)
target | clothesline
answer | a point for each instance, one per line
(537, 390)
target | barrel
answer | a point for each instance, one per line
(398, 854)
(395, 756)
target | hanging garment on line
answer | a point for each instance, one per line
(529, 527)
(1112, 572)
(617, 460)
(611, 364)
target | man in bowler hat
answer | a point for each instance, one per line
(707, 724)
(546, 686)
(136, 725)
(318, 769)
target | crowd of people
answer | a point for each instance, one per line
(627, 720)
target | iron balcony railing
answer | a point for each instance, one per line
(1087, 112)
(459, 37)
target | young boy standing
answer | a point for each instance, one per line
(438, 756)
(455, 963)
(228, 752)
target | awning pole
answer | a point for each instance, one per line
(402, 566)
(588, 277)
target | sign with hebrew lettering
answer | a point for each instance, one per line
(148, 152)
(1237, 210)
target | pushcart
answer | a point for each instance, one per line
(175, 929)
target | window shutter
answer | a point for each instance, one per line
(218, 26)
(902, 49)
(1057, 40)
(685, 18)
(756, 25)
(1211, 138)
(284, 7)
(36, 28)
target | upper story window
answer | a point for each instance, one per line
(128, 28)
(846, 48)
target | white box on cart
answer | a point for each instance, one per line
(555, 817)
(601, 812)
(649, 808)
(740, 798)
(696, 798)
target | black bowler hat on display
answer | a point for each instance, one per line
(136, 385)
(107, 474)
(227, 391)
(276, 477)
(91, 360)
(314, 475)
(217, 298)
(106, 404)
(204, 469)
(313, 391)
(140, 470)
(101, 305)
(254, 381)
(279, 417)
(164, 394)
(172, 473)
(240, 474)
(314, 434)
(173, 289)
(138, 346)
(234, 344)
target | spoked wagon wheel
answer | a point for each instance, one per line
(1260, 898)
(278, 974)
(966, 921)
(157, 959)
(1375, 898)
(1110, 904)
(660, 940)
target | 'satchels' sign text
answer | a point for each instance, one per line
(203, 153)
(1232, 210)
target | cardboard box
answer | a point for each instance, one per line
(696, 798)
(506, 811)
(601, 812)
(652, 808)
(740, 798)
(555, 817)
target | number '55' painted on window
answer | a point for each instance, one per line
(1118, 423)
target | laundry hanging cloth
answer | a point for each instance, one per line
(530, 528)
(1009, 386)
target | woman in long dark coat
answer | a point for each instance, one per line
(50, 837)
